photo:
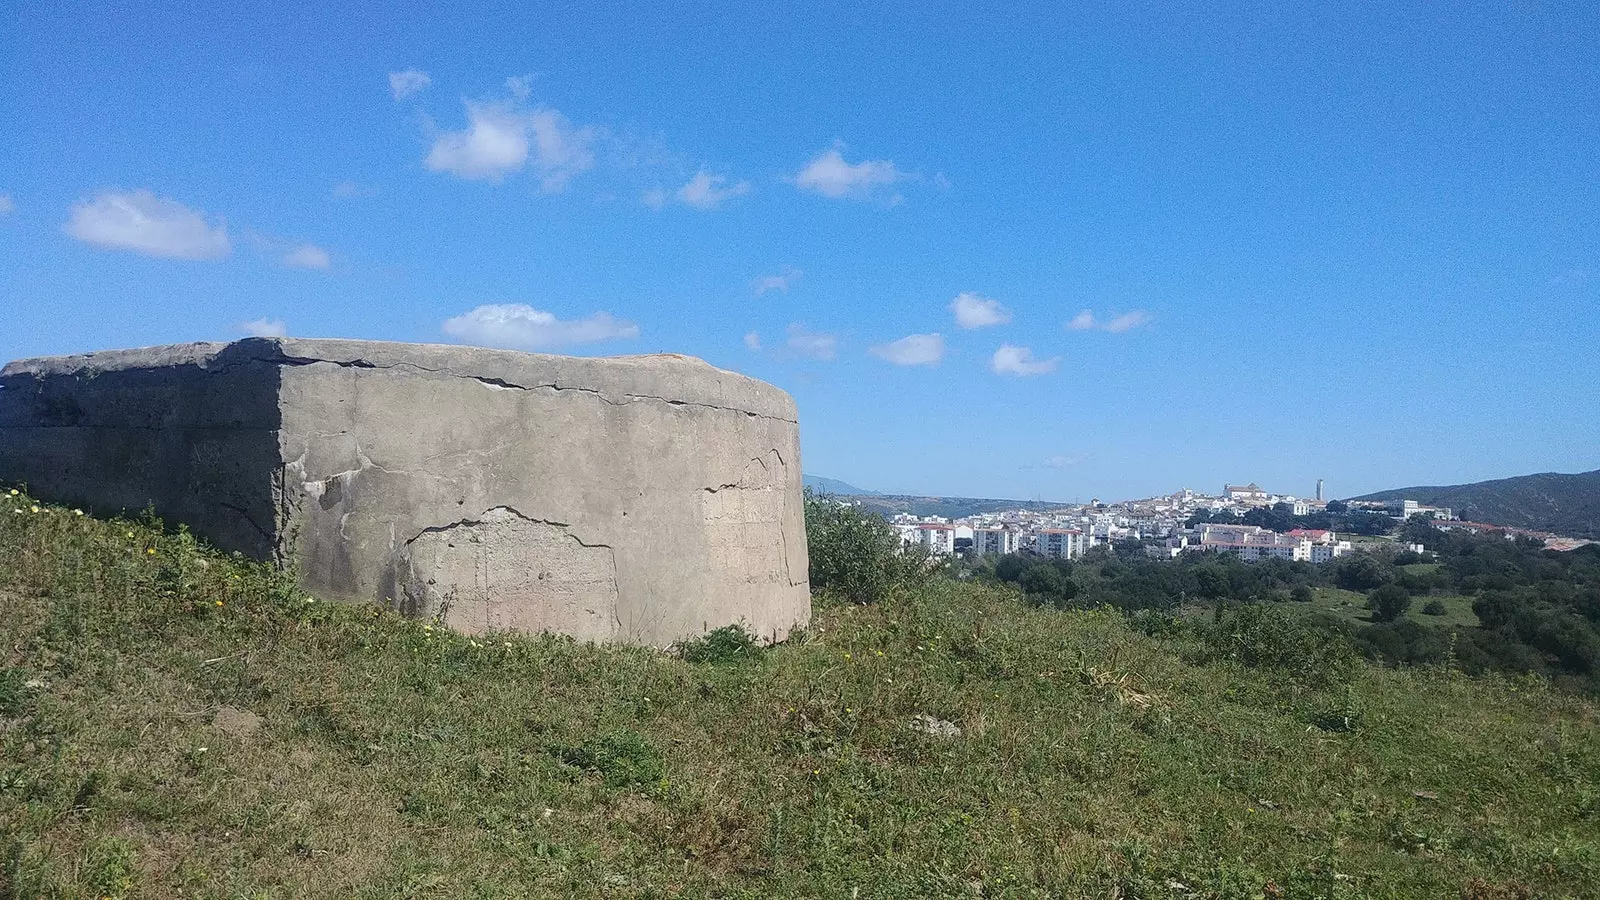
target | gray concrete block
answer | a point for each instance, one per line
(637, 499)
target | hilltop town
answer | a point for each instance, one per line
(1245, 519)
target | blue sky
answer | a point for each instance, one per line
(1358, 244)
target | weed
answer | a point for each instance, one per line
(726, 644)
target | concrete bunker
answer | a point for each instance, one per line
(636, 499)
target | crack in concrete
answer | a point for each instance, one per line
(502, 384)
(435, 529)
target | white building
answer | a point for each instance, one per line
(1251, 542)
(1405, 509)
(1061, 543)
(937, 539)
(994, 541)
(1249, 493)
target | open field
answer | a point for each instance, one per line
(176, 723)
(1351, 606)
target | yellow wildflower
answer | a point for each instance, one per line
(219, 602)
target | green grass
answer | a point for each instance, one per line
(1352, 606)
(177, 723)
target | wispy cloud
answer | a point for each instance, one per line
(1058, 462)
(6, 204)
(781, 281)
(829, 175)
(1086, 321)
(703, 191)
(1083, 321)
(1128, 321)
(973, 311)
(307, 256)
(521, 327)
(812, 344)
(707, 191)
(520, 86)
(264, 327)
(502, 137)
(1570, 277)
(752, 341)
(144, 223)
(411, 81)
(912, 350)
(1019, 361)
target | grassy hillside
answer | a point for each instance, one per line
(176, 723)
(1564, 504)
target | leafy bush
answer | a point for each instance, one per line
(1301, 594)
(1433, 608)
(1388, 603)
(1361, 572)
(725, 644)
(623, 758)
(1265, 638)
(855, 554)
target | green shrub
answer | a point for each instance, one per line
(725, 644)
(1388, 603)
(1265, 638)
(1433, 608)
(1301, 594)
(855, 554)
(623, 758)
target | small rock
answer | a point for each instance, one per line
(34, 684)
(237, 722)
(1425, 795)
(935, 727)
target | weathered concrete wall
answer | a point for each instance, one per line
(637, 499)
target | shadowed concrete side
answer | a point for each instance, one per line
(189, 431)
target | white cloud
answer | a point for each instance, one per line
(1019, 361)
(520, 86)
(655, 198)
(1128, 321)
(812, 344)
(6, 206)
(521, 327)
(973, 311)
(752, 341)
(411, 81)
(779, 282)
(912, 350)
(1062, 462)
(144, 223)
(829, 175)
(264, 327)
(707, 191)
(307, 256)
(1085, 321)
(501, 137)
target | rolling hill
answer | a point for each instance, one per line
(1550, 501)
(834, 486)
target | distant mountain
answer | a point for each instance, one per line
(949, 507)
(833, 486)
(1564, 504)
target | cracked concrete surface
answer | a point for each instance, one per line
(637, 499)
